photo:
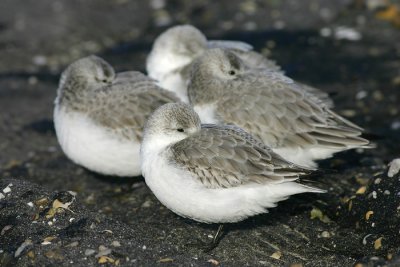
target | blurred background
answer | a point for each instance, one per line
(349, 48)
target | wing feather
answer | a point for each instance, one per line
(134, 97)
(281, 114)
(232, 158)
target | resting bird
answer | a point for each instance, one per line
(99, 115)
(275, 109)
(213, 173)
(175, 49)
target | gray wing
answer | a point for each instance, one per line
(237, 45)
(255, 60)
(124, 106)
(282, 114)
(226, 156)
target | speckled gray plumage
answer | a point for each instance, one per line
(268, 105)
(226, 156)
(219, 156)
(119, 102)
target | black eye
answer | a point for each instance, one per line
(232, 72)
(180, 130)
(104, 81)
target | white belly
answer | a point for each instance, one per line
(93, 147)
(174, 82)
(184, 195)
(305, 156)
(162, 66)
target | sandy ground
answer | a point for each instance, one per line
(347, 48)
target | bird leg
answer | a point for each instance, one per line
(209, 246)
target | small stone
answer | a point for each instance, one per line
(5, 229)
(164, 260)
(394, 167)
(116, 244)
(89, 252)
(213, 262)
(147, 204)
(378, 243)
(22, 247)
(325, 234)
(368, 214)
(361, 190)
(276, 255)
(39, 60)
(361, 94)
(73, 244)
(104, 259)
(395, 125)
(7, 190)
(103, 251)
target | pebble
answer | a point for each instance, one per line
(89, 252)
(394, 167)
(73, 244)
(103, 251)
(5, 229)
(325, 234)
(395, 125)
(361, 94)
(39, 60)
(346, 33)
(21, 248)
(7, 190)
(116, 244)
(147, 204)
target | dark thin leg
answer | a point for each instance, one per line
(218, 235)
(209, 246)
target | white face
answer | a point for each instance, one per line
(174, 121)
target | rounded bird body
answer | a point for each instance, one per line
(213, 173)
(99, 115)
(170, 59)
(294, 123)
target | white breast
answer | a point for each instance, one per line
(178, 190)
(94, 147)
(162, 66)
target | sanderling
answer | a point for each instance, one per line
(99, 115)
(213, 173)
(175, 49)
(272, 107)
